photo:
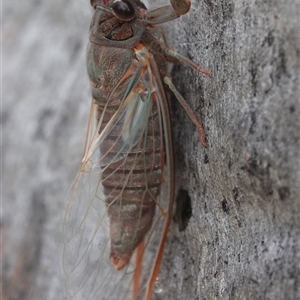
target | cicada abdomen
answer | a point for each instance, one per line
(120, 207)
(131, 160)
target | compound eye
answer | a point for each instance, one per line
(123, 10)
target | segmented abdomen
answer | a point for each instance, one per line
(131, 181)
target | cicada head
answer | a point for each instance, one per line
(114, 20)
(124, 10)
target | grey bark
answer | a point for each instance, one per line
(243, 239)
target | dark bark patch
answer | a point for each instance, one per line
(253, 123)
(284, 193)
(235, 193)
(206, 159)
(292, 109)
(225, 206)
(183, 209)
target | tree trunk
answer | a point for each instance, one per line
(243, 238)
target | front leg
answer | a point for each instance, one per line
(167, 13)
(181, 7)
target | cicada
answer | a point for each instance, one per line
(120, 208)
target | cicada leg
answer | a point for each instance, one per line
(171, 54)
(181, 6)
(138, 271)
(188, 110)
(169, 12)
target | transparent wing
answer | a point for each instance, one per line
(117, 151)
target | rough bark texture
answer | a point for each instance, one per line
(243, 239)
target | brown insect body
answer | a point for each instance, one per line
(131, 184)
(127, 172)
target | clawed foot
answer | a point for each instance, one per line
(181, 6)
